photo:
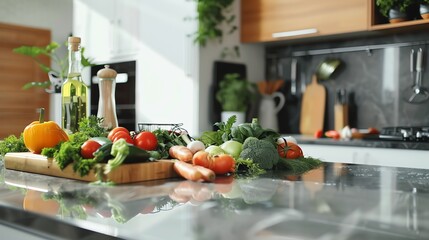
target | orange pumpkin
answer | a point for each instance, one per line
(39, 134)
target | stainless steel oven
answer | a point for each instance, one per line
(125, 94)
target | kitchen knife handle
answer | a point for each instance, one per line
(293, 76)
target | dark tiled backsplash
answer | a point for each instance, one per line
(377, 81)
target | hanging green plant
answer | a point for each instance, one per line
(211, 15)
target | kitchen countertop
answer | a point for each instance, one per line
(371, 143)
(335, 201)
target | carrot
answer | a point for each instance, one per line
(187, 171)
(208, 175)
(180, 152)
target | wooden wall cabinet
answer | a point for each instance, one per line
(275, 20)
(286, 20)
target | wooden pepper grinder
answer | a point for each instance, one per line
(341, 110)
(106, 102)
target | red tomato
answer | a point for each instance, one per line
(222, 163)
(116, 130)
(123, 135)
(289, 151)
(146, 140)
(88, 148)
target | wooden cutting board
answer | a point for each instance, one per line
(126, 173)
(312, 108)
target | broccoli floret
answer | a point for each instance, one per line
(120, 151)
(261, 152)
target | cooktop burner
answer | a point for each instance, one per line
(414, 134)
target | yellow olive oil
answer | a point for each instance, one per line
(74, 103)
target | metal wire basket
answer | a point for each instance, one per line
(164, 126)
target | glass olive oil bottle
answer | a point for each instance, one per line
(74, 92)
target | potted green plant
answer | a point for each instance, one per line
(424, 9)
(394, 10)
(56, 76)
(235, 96)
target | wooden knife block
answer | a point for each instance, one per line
(341, 116)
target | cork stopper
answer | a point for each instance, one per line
(106, 72)
(74, 43)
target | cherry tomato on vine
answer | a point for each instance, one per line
(289, 150)
(146, 140)
(88, 148)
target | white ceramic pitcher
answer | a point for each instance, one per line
(268, 110)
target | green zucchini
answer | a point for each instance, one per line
(135, 155)
(101, 140)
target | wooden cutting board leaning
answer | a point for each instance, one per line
(313, 108)
(126, 173)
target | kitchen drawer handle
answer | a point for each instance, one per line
(294, 33)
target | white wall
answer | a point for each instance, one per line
(55, 15)
(252, 55)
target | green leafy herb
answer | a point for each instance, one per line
(70, 203)
(247, 168)
(49, 152)
(91, 126)
(167, 139)
(299, 165)
(12, 144)
(69, 152)
(221, 135)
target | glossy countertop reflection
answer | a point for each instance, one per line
(335, 201)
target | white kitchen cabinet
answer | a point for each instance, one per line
(108, 28)
(370, 156)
